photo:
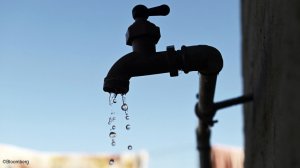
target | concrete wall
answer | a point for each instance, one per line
(271, 70)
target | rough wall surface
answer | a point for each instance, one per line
(271, 71)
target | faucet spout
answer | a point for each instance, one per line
(202, 58)
(132, 65)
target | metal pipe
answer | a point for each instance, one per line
(205, 114)
(233, 101)
(205, 110)
(207, 92)
(202, 58)
(203, 145)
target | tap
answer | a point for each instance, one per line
(144, 60)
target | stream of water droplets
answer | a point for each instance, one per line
(112, 118)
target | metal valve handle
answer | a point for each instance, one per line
(141, 11)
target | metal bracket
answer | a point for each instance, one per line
(207, 117)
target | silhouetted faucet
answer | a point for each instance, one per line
(143, 35)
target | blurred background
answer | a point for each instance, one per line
(54, 56)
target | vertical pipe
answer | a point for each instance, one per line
(203, 143)
(207, 92)
(205, 108)
(144, 45)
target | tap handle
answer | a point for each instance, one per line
(162, 10)
(141, 11)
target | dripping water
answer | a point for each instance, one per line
(113, 142)
(124, 107)
(112, 98)
(112, 134)
(127, 127)
(111, 161)
(112, 119)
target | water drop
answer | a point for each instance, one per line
(128, 127)
(112, 134)
(129, 147)
(111, 119)
(123, 98)
(112, 98)
(111, 161)
(113, 143)
(124, 107)
(127, 117)
(109, 99)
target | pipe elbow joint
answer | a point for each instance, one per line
(205, 59)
